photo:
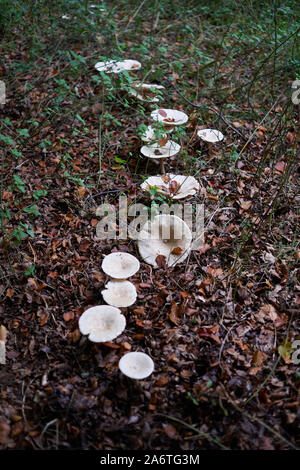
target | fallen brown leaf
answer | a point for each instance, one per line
(175, 315)
(209, 332)
(161, 261)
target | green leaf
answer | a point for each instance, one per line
(16, 153)
(19, 183)
(30, 270)
(7, 140)
(23, 132)
(285, 349)
(119, 160)
(32, 210)
(39, 193)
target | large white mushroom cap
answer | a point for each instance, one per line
(136, 365)
(170, 117)
(174, 186)
(170, 149)
(102, 323)
(166, 235)
(119, 293)
(210, 135)
(120, 265)
(113, 66)
(144, 91)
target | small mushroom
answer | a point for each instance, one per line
(120, 265)
(144, 91)
(136, 365)
(119, 293)
(114, 66)
(166, 235)
(102, 323)
(150, 136)
(169, 117)
(156, 151)
(98, 7)
(170, 149)
(174, 186)
(210, 135)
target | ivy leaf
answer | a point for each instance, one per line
(32, 210)
(23, 132)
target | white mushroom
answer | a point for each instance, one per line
(170, 149)
(166, 235)
(170, 117)
(174, 186)
(144, 91)
(120, 265)
(97, 6)
(119, 293)
(210, 135)
(102, 323)
(150, 136)
(156, 151)
(131, 64)
(114, 66)
(136, 365)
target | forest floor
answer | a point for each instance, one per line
(220, 326)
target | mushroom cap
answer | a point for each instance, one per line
(136, 365)
(119, 293)
(147, 85)
(120, 265)
(162, 236)
(113, 66)
(174, 186)
(169, 150)
(210, 135)
(170, 117)
(149, 135)
(102, 323)
(143, 87)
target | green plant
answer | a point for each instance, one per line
(18, 184)
(22, 232)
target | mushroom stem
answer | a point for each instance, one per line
(162, 166)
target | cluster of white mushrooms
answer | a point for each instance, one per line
(105, 322)
(166, 236)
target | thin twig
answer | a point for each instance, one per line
(272, 369)
(192, 428)
(254, 132)
(100, 141)
(255, 418)
(211, 109)
(134, 15)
